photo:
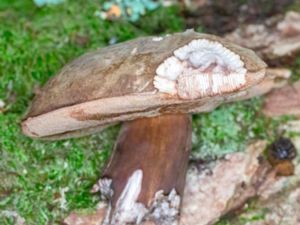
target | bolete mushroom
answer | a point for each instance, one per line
(153, 84)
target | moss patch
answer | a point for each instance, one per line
(43, 181)
(230, 127)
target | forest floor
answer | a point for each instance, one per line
(41, 182)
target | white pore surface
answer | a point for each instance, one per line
(200, 68)
(127, 209)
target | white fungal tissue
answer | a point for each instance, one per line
(200, 68)
(128, 210)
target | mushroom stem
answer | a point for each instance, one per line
(145, 177)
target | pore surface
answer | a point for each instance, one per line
(200, 68)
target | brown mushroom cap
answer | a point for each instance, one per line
(115, 84)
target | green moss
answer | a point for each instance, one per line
(295, 6)
(223, 222)
(37, 172)
(230, 127)
(162, 21)
(35, 43)
(296, 70)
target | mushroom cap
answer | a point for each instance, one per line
(115, 84)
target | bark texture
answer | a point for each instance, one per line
(283, 101)
(275, 39)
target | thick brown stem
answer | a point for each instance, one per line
(145, 177)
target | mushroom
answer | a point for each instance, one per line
(153, 84)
